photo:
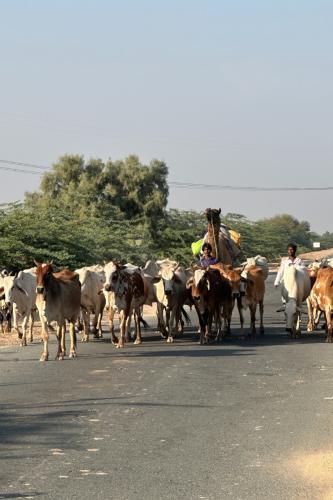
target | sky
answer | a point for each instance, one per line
(225, 92)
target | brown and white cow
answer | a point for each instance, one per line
(58, 299)
(321, 299)
(167, 287)
(130, 293)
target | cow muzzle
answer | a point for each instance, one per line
(167, 292)
(40, 289)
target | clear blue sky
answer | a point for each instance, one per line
(234, 92)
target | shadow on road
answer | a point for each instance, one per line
(30, 494)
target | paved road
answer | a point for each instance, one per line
(241, 420)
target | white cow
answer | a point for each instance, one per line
(20, 296)
(92, 280)
(296, 287)
(167, 286)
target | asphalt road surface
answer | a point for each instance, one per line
(238, 419)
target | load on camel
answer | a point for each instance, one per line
(224, 241)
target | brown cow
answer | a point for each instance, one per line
(248, 288)
(238, 287)
(321, 298)
(212, 294)
(58, 299)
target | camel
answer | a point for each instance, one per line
(215, 238)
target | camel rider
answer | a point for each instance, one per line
(291, 260)
(207, 259)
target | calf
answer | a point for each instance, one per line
(58, 299)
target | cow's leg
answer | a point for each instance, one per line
(310, 325)
(317, 313)
(180, 326)
(241, 316)
(298, 324)
(211, 316)
(228, 314)
(200, 318)
(15, 325)
(128, 336)
(172, 321)
(98, 331)
(160, 320)
(253, 308)
(205, 332)
(261, 312)
(61, 341)
(8, 327)
(328, 317)
(124, 313)
(80, 325)
(86, 325)
(24, 330)
(31, 326)
(111, 314)
(72, 337)
(138, 339)
(167, 319)
(45, 335)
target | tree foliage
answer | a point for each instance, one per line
(88, 212)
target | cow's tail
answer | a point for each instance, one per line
(185, 316)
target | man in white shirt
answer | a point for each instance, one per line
(291, 260)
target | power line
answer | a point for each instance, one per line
(24, 164)
(11, 169)
(192, 185)
(176, 184)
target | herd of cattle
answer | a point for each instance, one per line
(213, 292)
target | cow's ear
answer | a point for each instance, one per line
(189, 283)
(36, 263)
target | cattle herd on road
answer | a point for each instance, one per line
(73, 296)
